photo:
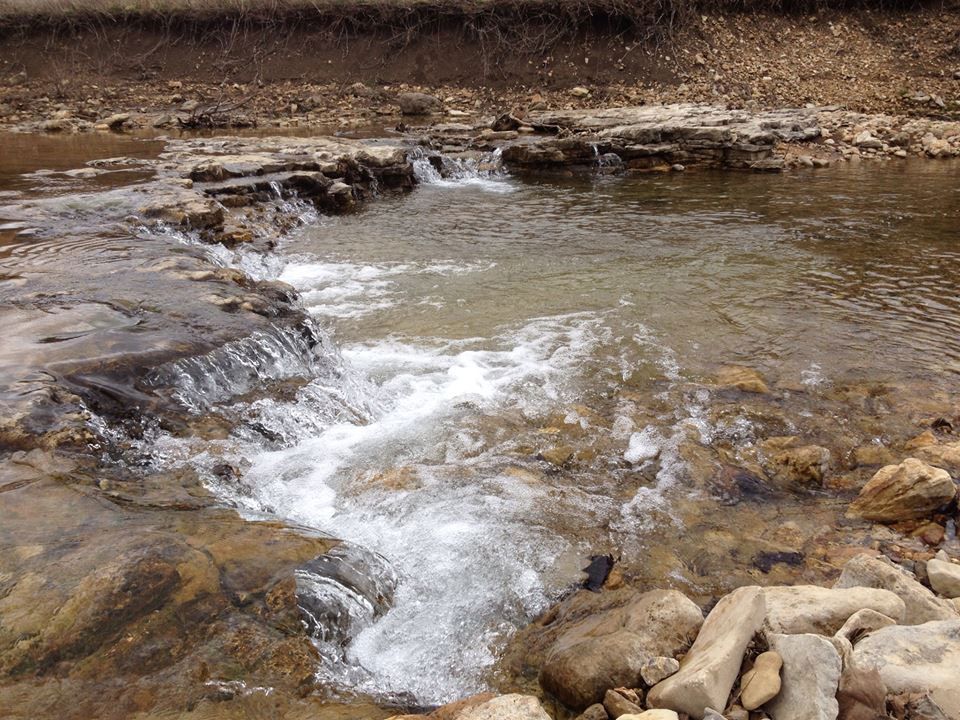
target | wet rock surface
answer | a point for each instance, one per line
(189, 610)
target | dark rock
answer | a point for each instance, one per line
(419, 104)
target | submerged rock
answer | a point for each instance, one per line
(743, 379)
(912, 489)
(709, 670)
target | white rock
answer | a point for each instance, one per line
(921, 604)
(656, 714)
(919, 658)
(506, 707)
(812, 609)
(809, 678)
(944, 577)
(709, 670)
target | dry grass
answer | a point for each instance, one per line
(500, 20)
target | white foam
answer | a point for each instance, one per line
(471, 562)
(644, 445)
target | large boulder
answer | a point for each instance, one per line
(912, 489)
(920, 658)
(921, 605)
(944, 576)
(708, 671)
(414, 103)
(610, 649)
(809, 678)
(811, 609)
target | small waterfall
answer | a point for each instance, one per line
(238, 367)
(444, 170)
(341, 593)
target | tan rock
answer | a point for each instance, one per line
(657, 669)
(862, 694)
(506, 707)
(920, 604)
(557, 455)
(812, 609)
(593, 648)
(946, 456)
(912, 489)
(617, 704)
(708, 671)
(922, 440)
(804, 465)
(944, 577)
(594, 712)
(762, 682)
(743, 379)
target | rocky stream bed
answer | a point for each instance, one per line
(809, 570)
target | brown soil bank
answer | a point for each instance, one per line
(868, 58)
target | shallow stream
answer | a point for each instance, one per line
(519, 374)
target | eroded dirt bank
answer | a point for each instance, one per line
(301, 73)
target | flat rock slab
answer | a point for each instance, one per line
(651, 136)
(709, 670)
(920, 604)
(812, 609)
(919, 658)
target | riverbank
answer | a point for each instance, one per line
(305, 73)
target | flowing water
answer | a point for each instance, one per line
(465, 331)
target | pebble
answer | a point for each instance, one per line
(657, 669)
(761, 683)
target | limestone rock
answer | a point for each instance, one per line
(655, 714)
(657, 669)
(858, 624)
(921, 658)
(809, 680)
(709, 670)
(912, 489)
(506, 707)
(921, 605)
(946, 456)
(811, 609)
(944, 577)
(761, 683)
(743, 379)
(608, 649)
(414, 103)
(616, 704)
